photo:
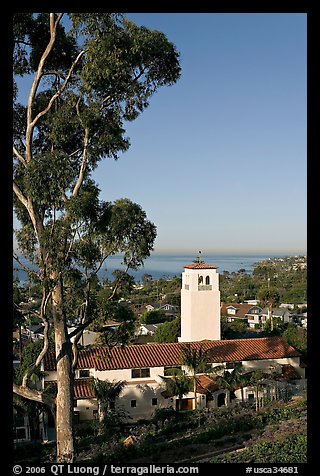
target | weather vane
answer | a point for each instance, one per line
(198, 258)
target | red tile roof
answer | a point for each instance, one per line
(289, 372)
(241, 309)
(83, 388)
(206, 384)
(200, 266)
(160, 355)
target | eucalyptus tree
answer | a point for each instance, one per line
(89, 73)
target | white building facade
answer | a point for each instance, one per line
(142, 366)
(200, 303)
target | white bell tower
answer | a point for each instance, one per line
(200, 303)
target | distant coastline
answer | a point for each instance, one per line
(160, 265)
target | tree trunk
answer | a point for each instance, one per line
(20, 344)
(195, 392)
(242, 394)
(270, 316)
(64, 399)
(257, 398)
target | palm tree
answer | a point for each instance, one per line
(240, 378)
(227, 381)
(195, 360)
(106, 393)
(178, 384)
(269, 297)
(256, 381)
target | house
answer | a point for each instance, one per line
(234, 311)
(169, 308)
(87, 338)
(142, 366)
(151, 307)
(257, 316)
(146, 329)
(35, 332)
(300, 319)
(254, 317)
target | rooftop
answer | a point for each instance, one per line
(161, 355)
(200, 266)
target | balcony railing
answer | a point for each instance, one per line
(205, 287)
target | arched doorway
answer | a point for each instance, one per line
(221, 399)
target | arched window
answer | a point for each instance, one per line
(200, 279)
(207, 279)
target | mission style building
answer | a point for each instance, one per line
(141, 366)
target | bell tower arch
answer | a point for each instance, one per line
(200, 303)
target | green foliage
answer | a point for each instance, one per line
(152, 317)
(267, 295)
(178, 384)
(28, 358)
(194, 359)
(297, 337)
(292, 450)
(168, 331)
(285, 275)
(121, 314)
(111, 74)
(236, 326)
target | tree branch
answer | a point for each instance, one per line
(31, 123)
(19, 156)
(20, 195)
(35, 84)
(38, 361)
(59, 92)
(25, 268)
(83, 163)
(35, 395)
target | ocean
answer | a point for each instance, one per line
(168, 266)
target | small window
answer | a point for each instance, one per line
(154, 401)
(75, 403)
(200, 280)
(207, 279)
(171, 370)
(230, 365)
(76, 417)
(133, 403)
(84, 373)
(250, 396)
(140, 373)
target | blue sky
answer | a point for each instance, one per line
(218, 161)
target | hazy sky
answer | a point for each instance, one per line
(218, 160)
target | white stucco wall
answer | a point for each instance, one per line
(200, 306)
(85, 408)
